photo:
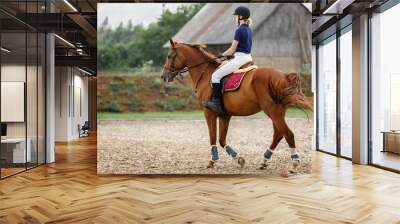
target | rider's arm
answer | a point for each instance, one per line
(232, 49)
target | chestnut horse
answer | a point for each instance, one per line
(266, 89)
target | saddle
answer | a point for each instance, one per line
(232, 81)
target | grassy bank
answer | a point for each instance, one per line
(134, 93)
(292, 112)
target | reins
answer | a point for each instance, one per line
(185, 69)
(173, 72)
(199, 79)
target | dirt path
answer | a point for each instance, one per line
(182, 147)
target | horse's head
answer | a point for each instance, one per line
(174, 63)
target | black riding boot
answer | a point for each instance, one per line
(215, 103)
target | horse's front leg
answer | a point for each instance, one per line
(211, 119)
(223, 130)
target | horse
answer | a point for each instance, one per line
(262, 89)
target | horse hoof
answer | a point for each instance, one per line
(263, 166)
(296, 163)
(210, 164)
(284, 174)
(241, 162)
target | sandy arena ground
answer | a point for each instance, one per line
(182, 147)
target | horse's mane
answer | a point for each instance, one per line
(202, 48)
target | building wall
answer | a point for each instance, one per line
(33, 127)
(285, 64)
(276, 44)
(71, 102)
(218, 49)
(62, 80)
(283, 40)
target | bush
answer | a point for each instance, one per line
(135, 93)
(306, 84)
(99, 100)
(111, 106)
(134, 103)
(131, 86)
(115, 86)
(171, 104)
(170, 87)
(187, 91)
(153, 82)
(192, 103)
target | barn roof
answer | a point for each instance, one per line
(214, 24)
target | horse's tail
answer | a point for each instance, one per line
(292, 95)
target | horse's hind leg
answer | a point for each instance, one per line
(279, 121)
(223, 130)
(211, 119)
(281, 129)
(276, 139)
(268, 152)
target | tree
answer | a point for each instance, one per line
(105, 22)
(132, 46)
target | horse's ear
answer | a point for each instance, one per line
(172, 43)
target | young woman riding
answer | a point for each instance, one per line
(240, 48)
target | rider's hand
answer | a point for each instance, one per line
(225, 57)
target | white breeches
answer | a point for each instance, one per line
(232, 65)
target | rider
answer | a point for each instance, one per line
(240, 48)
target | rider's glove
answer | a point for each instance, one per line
(228, 57)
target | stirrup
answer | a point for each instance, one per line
(214, 106)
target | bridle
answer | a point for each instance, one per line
(173, 72)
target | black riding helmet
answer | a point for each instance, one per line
(243, 12)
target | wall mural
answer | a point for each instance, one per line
(164, 107)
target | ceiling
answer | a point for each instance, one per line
(75, 23)
(331, 15)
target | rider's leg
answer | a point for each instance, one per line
(226, 69)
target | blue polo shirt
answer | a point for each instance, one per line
(244, 36)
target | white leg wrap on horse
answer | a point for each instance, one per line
(294, 155)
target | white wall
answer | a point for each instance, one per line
(62, 81)
(33, 125)
(70, 83)
(80, 108)
(314, 91)
(16, 73)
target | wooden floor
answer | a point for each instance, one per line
(69, 191)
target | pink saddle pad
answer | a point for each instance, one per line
(233, 81)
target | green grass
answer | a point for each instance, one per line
(292, 112)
